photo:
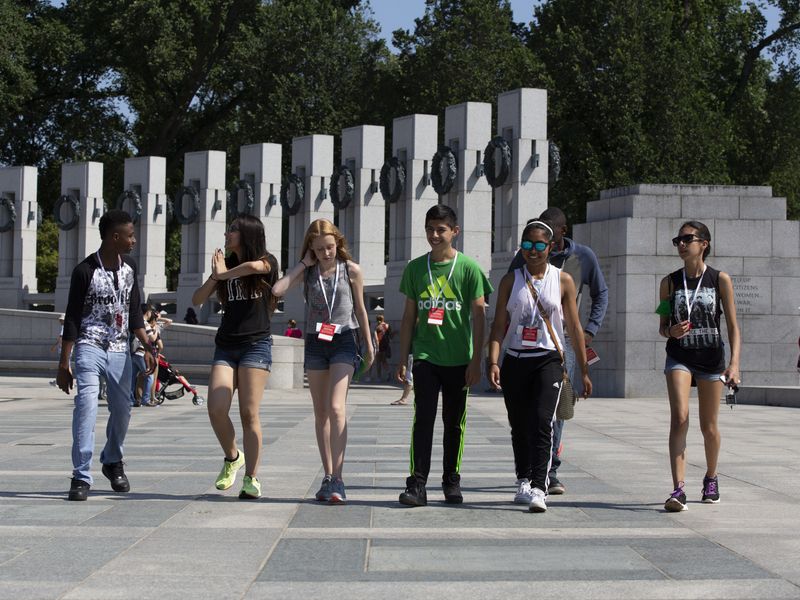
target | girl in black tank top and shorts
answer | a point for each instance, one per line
(692, 299)
(243, 354)
(334, 292)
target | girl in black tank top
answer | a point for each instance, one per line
(243, 285)
(692, 300)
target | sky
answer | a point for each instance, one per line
(400, 14)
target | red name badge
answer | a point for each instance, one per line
(591, 356)
(326, 332)
(529, 336)
(436, 316)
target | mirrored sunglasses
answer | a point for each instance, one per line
(685, 239)
(528, 245)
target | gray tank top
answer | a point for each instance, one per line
(342, 311)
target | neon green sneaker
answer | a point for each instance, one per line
(228, 473)
(251, 488)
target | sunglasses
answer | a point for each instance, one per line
(685, 239)
(233, 229)
(528, 245)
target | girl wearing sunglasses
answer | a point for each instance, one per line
(530, 376)
(692, 299)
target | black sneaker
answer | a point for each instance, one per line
(555, 487)
(116, 475)
(78, 490)
(415, 494)
(451, 486)
(677, 501)
(710, 490)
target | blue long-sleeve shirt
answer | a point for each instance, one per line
(591, 276)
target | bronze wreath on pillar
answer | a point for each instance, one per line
(349, 187)
(194, 207)
(233, 199)
(299, 191)
(136, 203)
(8, 203)
(76, 212)
(392, 194)
(444, 169)
(497, 143)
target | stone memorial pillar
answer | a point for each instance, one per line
(413, 144)
(260, 167)
(79, 236)
(522, 122)
(312, 162)
(467, 130)
(631, 230)
(363, 220)
(200, 207)
(18, 222)
(145, 193)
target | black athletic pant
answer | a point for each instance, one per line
(429, 379)
(531, 388)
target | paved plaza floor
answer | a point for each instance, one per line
(175, 536)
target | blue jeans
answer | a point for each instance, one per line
(558, 424)
(139, 366)
(90, 363)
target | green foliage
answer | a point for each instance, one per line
(47, 255)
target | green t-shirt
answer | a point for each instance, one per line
(448, 344)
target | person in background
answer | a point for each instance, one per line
(383, 335)
(333, 287)
(191, 317)
(692, 300)
(580, 262)
(292, 330)
(103, 310)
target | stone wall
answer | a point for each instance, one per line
(631, 228)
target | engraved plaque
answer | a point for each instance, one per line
(753, 295)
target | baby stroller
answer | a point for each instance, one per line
(170, 376)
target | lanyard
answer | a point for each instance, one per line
(531, 299)
(440, 292)
(333, 294)
(690, 305)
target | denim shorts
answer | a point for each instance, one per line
(253, 356)
(320, 355)
(674, 365)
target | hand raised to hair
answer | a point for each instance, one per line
(218, 263)
(309, 258)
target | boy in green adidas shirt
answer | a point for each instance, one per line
(444, 317)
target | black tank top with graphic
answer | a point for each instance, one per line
(701, 348)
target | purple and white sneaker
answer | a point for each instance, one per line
(677, 500)
(710, 490)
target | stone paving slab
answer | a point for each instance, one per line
(175, 536)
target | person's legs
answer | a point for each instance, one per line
(426, 399)
(220, 394)
(118, 377)
(89, 363)
(319, 386)
(543, 375)
(678, 386)
(708, 394)
(250, 385)
(137, 367)
(517, 403)
(340, 375)
(454, 417)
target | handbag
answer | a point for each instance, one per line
(567, 397)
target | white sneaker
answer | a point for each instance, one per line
(537, 504)
(523, 495)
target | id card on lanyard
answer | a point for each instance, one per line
(326, 331)
(530, 333)
(117, 294)
(690, 305)
(436, 312)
